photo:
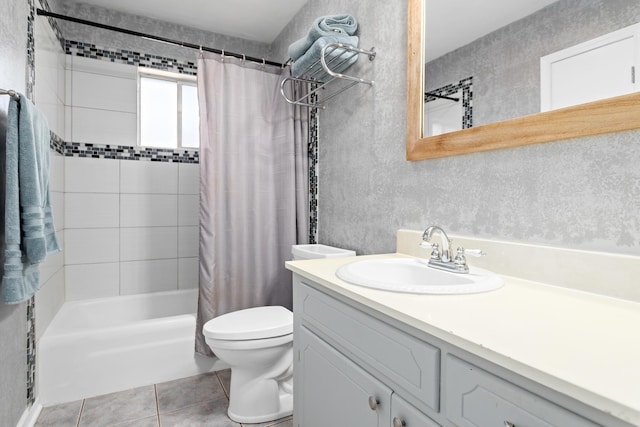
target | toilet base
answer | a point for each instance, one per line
(285, 410)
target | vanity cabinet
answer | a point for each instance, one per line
(353, 368)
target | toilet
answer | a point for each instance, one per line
(257, 343)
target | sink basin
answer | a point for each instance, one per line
(412, 275)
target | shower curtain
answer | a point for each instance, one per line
(253, 187)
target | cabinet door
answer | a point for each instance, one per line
(403, 414)
(333, 391)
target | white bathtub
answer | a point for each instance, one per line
(103, 345)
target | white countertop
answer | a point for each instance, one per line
(581, 344)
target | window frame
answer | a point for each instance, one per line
(180, 80)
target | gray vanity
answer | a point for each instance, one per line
(365, 357)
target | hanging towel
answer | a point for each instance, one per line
(345, 59)
(340, 26)
(29, 231)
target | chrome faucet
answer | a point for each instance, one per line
(445, 254)
(443, 259)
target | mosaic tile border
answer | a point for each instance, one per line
(119, 152)
(313, 170)
(88, 50)
(466, 85)
(57, 144)
(31, 303)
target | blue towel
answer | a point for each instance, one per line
(29, 231)
(345, 59)
(331, 25)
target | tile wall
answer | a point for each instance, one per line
(130, 227)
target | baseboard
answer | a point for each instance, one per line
(30, 415)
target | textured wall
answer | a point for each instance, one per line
(106, 38)
(13, 318)
(505, 64)
(583, 193)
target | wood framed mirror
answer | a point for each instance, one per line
(598, 117)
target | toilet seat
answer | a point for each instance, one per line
(256, 323)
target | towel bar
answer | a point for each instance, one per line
(11, 93)
(325, 68)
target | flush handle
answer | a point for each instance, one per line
(373, 403)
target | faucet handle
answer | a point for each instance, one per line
(473, 252)
(460, 258)
(435, 252)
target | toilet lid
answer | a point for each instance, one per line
(250, 324)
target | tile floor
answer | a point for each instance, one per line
(195, 401)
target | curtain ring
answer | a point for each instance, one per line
(243, 57)
(263, 63)
(222, 56)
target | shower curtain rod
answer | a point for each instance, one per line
(43, 12)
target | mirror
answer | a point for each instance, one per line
(603, 116)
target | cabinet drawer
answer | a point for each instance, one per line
(406, 363)
(474, 397)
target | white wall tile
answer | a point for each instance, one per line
(104, 92)
(148, 210)
(188, 273)
(91, 245)
(188, 241)
(54, 261)
(148, 177)
(85, 281)
(148, 243)
(103, 127)
(57, 210)
(83, 175)
(68, 81)
(56, 172)
(138, 277)
(188, 210)
(67, 124)
(92, 210)
(49, 300)
(90, 65)
(188, 178)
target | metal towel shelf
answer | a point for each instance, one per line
(324, 67)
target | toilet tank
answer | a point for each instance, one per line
(313, 251)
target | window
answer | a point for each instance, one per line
(167, 110)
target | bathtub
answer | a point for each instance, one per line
(99, 346)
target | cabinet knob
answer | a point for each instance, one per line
(508, 424)
(397, 422)
(373, 403)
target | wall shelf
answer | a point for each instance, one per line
(326, 72)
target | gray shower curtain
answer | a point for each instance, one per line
(253, 187)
